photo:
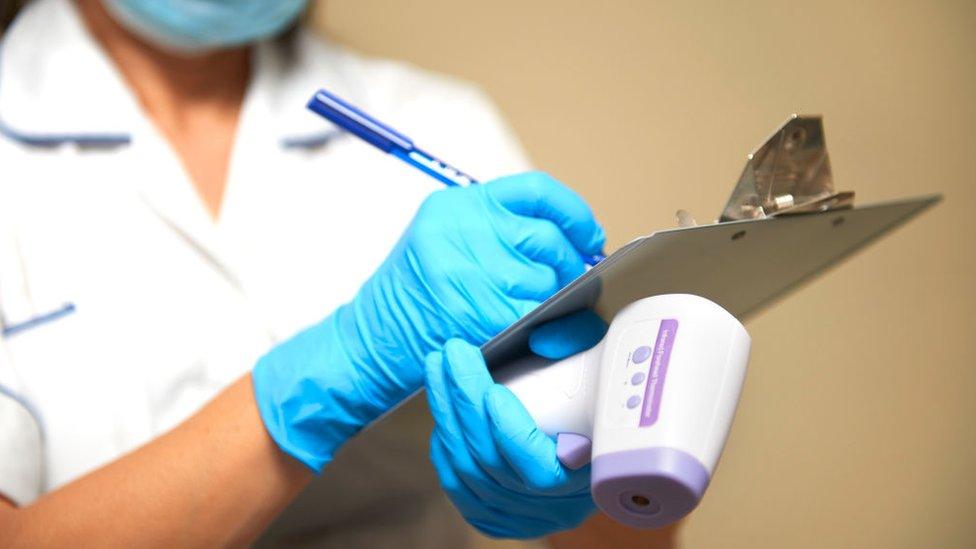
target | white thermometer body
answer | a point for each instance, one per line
(650, 406)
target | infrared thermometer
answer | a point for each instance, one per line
(649, 407)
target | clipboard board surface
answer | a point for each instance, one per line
(741, 265)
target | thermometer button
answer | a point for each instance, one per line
(637, 378)
(641, 354)
(633, 402)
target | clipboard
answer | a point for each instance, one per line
(783, 225)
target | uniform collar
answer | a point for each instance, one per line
(287, 74)
(58, 86)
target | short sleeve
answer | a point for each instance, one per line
(20, 440)
(20, 449)
(20, 428)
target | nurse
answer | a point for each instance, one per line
(198, 298)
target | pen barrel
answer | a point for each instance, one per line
(446, 173)
(360, 124)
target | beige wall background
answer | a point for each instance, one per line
(856, 427)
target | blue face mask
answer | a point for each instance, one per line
(200, 25)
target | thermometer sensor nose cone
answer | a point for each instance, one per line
(648, 487)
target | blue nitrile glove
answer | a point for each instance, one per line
(472, 262)
(496, 465)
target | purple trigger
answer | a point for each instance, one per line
(573, 450)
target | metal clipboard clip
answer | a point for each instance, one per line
(788, 174)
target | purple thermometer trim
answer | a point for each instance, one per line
(573, 450)
(657, 371)
(648, 487)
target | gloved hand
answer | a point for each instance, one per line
(496, 465)
(472, 262)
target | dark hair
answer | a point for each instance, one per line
(8, 10)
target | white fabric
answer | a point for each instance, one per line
(20, 440)
(20, 436)
(170, 305)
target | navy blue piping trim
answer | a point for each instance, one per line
(14, 329)
(26, 404)
(50, 140)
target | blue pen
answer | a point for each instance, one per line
(390, 141)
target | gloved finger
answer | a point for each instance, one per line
(488, 521)
(464, 479)
(488, 318)
(567, 335)
(543, 242)
(530, 451)
(446, 427)
(496, 516)
(478, 304)
(467, 381)
(448, 430)
(515, 309)
(524, 306)
(522, 277)
(537, 194)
